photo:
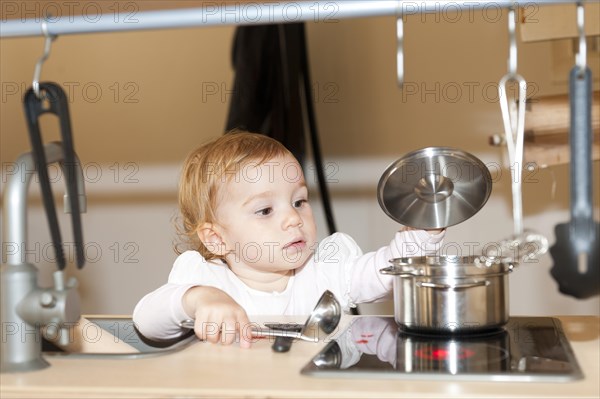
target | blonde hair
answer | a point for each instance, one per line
(205, 169)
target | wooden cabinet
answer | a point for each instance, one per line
(547, 122)
(551, 22)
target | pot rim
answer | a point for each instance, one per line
(449, 266)
(442, 260)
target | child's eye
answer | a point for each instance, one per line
(264, 212)
(299, 203)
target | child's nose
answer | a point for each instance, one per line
(292, 219)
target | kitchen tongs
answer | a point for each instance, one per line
(53, 100)
(576, 252)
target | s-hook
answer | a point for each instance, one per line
(512, 38)
(581, 59)
(38, 66)
(400, 48)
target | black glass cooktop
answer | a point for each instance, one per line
(526, 349)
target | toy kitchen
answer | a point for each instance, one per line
(508, 307)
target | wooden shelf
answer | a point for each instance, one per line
(547, 123)
(557, 21)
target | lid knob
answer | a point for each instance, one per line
(434, 188)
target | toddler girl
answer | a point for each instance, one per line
(252, 246)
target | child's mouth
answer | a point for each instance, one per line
(298, 244)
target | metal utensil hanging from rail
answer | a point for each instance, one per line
(49, 98)
(575, 253)
(524, 245)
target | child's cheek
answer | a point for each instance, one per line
(251, 252)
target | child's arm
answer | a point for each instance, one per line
(218, 317)
(158, 313)
(367, 284)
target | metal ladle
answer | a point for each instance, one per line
(523, 245)
(324, 318)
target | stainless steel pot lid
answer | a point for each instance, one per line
(434, 187)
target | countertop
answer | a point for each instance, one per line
(204, 370)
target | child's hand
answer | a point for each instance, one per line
(218, 317)
(434, 232)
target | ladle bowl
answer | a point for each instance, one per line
(324, 318)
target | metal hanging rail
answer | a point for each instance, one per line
(212, 13)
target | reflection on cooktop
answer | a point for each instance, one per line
(526, 349)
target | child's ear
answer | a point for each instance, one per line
(209, 236)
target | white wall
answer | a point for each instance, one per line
(129, 233)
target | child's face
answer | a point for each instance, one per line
(266, 222)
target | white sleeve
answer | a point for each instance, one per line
(368, 284)
(157, 315)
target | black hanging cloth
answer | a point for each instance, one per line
(272, 92)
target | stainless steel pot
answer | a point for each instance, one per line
(450, 294)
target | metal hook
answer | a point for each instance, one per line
(581, 58)
(38, 66)
(512, 37)
(400, 51)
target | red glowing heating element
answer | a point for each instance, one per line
(443, 354)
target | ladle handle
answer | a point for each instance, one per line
(514, 132)
(260, 332)
(265, 332)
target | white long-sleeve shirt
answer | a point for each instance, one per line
(338, 265)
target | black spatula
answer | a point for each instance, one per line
(575, 252)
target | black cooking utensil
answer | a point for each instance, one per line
(576, 265)
(283, 344)
(53, 100)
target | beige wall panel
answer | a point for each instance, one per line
(147, 98)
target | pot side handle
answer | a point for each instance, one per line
(394, 271)
(481, 283)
